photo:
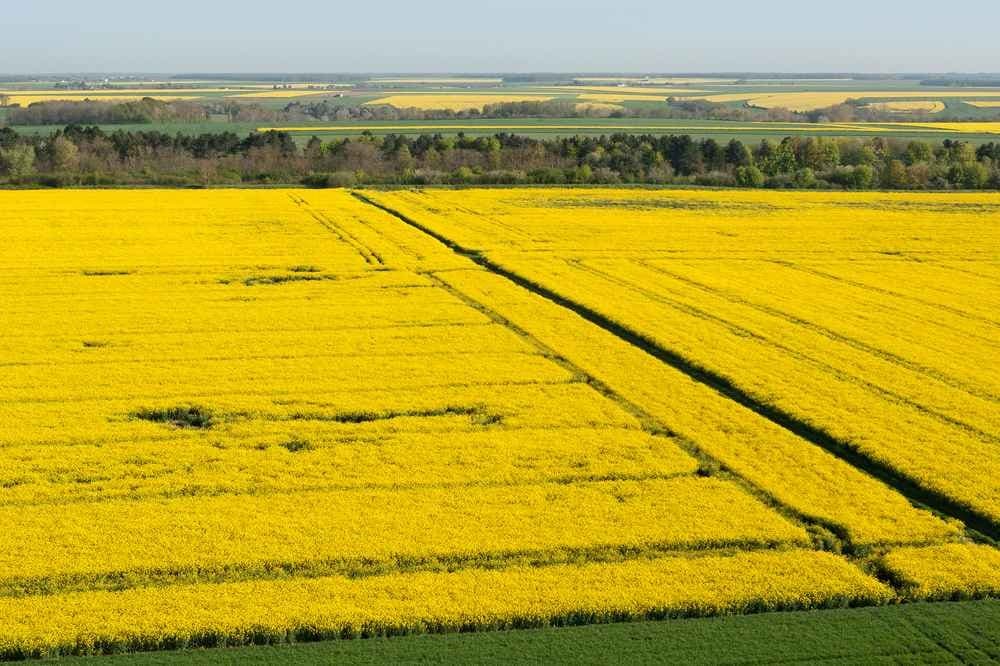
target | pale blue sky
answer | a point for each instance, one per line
(478, 35)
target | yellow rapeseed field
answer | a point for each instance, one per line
(444, 80)
(659, 91)
(810, 100)
(28, 100)
(740, 283)
(971, 127)
(334, 607)
(284, 93)
(947, 571)
(928, 106)
(454, 101)
(244, 415)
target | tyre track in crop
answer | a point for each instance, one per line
(888, 292)
(370, 256)
(817, 363)
(915, 493)
(854, 343)
(708, 464)
(305, 489)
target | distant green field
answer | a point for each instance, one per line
(548, 127)
(966, 632)
(720, 130)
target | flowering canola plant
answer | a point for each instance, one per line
(235, 416)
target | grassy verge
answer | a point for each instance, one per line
(914, 633)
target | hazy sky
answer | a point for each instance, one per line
(478, 35)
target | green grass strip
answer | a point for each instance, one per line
(915, 633)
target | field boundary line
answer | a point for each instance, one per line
(916, 494)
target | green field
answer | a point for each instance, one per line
(717, 129)
(549, 127)
(966, 632)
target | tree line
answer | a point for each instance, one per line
(90, 156)
(150, 111)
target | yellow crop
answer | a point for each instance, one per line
(806, 478)
(333, 607)
(237, 415)
(454, 101)
(27, 100)
(284, 93)
(810, 100)
(314, 531)
(947, 571)
(925, 105)
(257, 459)
(728, 280)
(680, 127)
(971, 127)
(659, 92)
(618, 98)
(981, 104)
(597, 106)
(650, 81)
(444, 80)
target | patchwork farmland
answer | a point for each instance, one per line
(264, 416)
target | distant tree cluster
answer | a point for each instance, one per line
(90, 156)
(146, 110)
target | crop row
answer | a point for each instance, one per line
(206, 537)
(471, 599)
(297, 459)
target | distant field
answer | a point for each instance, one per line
(454, 92)
(454, 101)
(441, 81)
(721, 130)
(809, 100)
(922, 105)
(975, 133)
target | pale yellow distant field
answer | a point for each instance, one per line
(629, 90)
(969, 128)
(654, 81)
(26, 100)
(148, 92)
(808, 101)
(982, 105)
(283, 94)
(454, 102)
(296, 86)
(598, 106)
(810, 128)
(609, 98)
(922, 105)
(441, 80)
